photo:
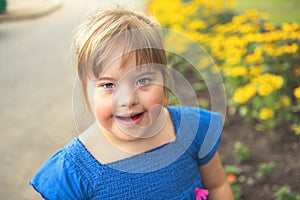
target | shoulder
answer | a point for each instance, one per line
(61, 177)
(204, 127)
(195, 115)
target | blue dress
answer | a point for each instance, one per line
(166, 172)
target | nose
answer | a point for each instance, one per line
(126, 96)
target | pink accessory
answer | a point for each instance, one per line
(201, 194)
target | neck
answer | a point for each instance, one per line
(106, 148)
(163, 134)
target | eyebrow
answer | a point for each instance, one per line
(110, 78)
(138, 74)
(106, 78)
(147, 73)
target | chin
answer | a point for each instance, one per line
(131, 138)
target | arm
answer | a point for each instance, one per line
(214, 179)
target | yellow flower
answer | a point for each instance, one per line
(196, 24)
(285, 101)
(266, 113)
(255, 70)
(276, 81)
(296, 129)
(297, 71)
(289, 27)
(248, 28)
(265, 89)
(236, 71)
(232, 60)
(268, 26)
(251, 13)
(297, 92)
(243, 94)
(267, 83)
(204, 61)
(270, 49)
(290, 49)
(253, 58)
(173, 44)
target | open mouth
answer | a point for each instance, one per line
(130, 120)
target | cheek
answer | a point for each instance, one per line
(102, 108)
(153, 97)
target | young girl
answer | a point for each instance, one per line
(137, 148)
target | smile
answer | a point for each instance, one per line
(130, 120)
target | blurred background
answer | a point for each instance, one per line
(37, 76)
(279, 11)
(257, 52)
(255, 45)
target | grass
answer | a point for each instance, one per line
(278, 10)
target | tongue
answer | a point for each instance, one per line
(135, 116)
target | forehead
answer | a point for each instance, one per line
(123, 52)
(119, 62)
(127, 64)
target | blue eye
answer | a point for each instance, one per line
(108, 85)
(142, 81)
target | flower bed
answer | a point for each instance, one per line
(260, 65)
(260, 62)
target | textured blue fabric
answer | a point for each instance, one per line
(73, 173)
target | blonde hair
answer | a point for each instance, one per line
(101, 33)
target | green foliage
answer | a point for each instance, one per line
(284, 193)
(264, 169)
(232, 169)
(237, 191)
(241, 150)
(259, 61)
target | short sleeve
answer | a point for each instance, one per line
(59, 178)
(209, 136)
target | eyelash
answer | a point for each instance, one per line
(109, 85)
(145, 81)
(148, 80)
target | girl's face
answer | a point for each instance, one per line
(128, 100)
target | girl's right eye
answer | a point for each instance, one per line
(108, 85)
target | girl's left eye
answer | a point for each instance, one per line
(108, 85)
(142, 81)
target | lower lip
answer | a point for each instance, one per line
(132, 122)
